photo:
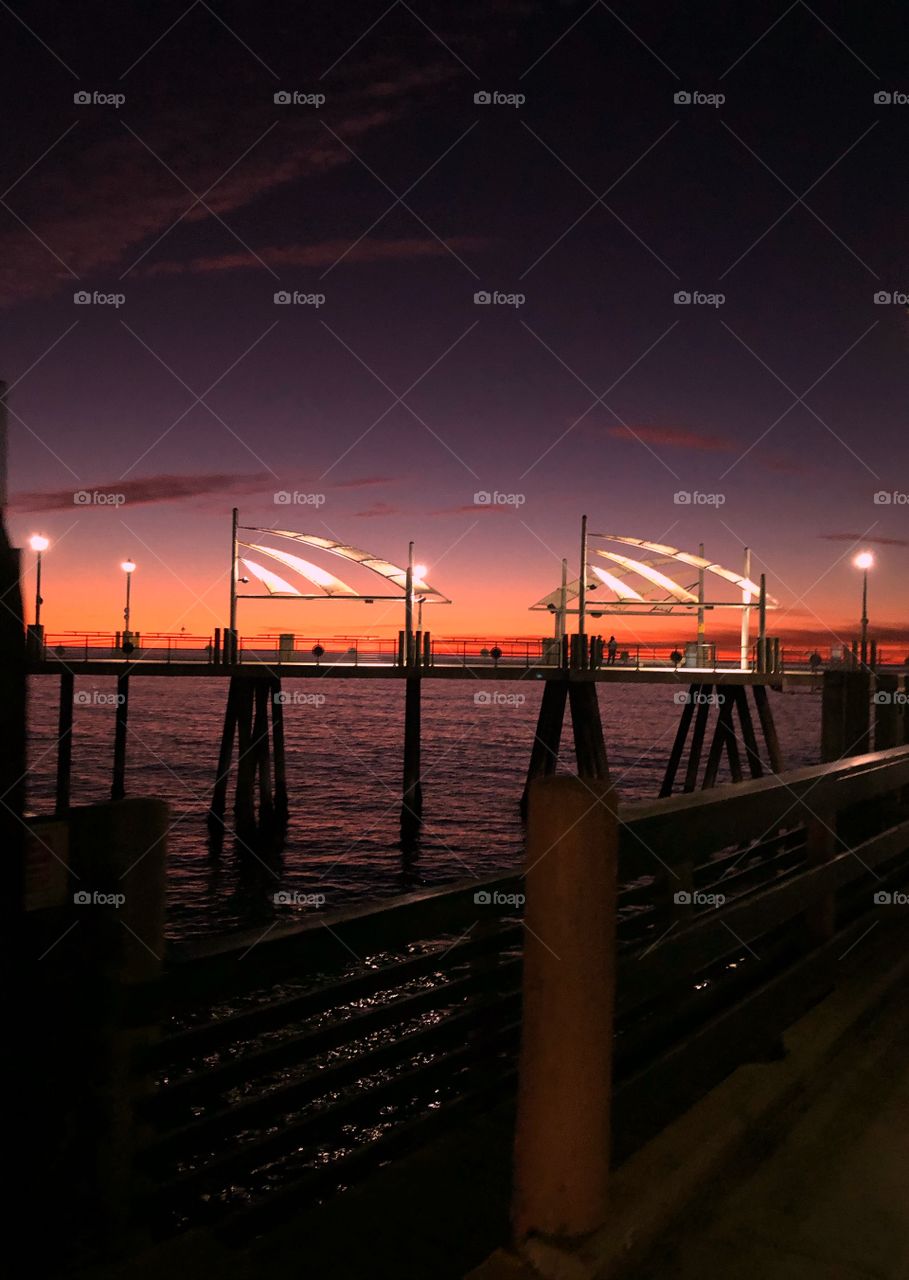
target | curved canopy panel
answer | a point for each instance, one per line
(622, 589)
(274, 585)
(685, 557)
(390, 572)
(331, 585)
(644, 570)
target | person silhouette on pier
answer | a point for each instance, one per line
(611, 647)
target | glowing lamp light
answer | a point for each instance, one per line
(420, 571)
(38, 542)
(864, 560)
(128, 566)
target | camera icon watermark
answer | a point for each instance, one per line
(294, 898)
(284, 298)
(695, 98)
(294, 98)
(298, 699)
(493, 98)
(694, 498)
(484, 698)
(495, 898)
(891, 298)
(84, 898)
(84, 98)
(95, 698)
(683, 898)
(82, 298)
(493, 498)
(485, 298)
(683, 699)
(695, 298)
(96, 498)
(891, 98)
(297, 498)
(891, 498)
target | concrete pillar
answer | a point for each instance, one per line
(565, 1080)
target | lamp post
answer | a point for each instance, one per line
(864, 561)
(128, 566)
(419, 572)
(38, 544)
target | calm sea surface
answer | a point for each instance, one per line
(344, 767)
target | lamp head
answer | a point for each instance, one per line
(420, 571)
(128, 566)
(38, 542)
(864, 560)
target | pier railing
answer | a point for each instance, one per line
(295, 1061)
(278, 651)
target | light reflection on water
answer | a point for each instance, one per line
(344, 769)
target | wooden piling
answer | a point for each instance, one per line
(739, 695)
(697, 738)
(276, 698)
(262, 757)
(589, 744)
(225, 754)
(412, 802)
(678, 746)
(544, 754)
(121, 724)
(64, 743)
(565, 1077)
(845, 714)
(244, 798)
(768, 728)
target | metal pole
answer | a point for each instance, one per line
(582, 591)
(762, 625)
(38, 591)
(233, 572)
(865, 618)
(408, 608)
(702, 654)
(746, 612)
(563, 603)
(126, 610)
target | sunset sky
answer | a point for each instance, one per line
(388, 406)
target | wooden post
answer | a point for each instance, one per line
(565, 1079)
(121, 723)
(845, 714)
(219, 793)
(277, 728)
(412, 803)
(244, 797)
(678, 746)
(739, 695)
(888, 713)
(118, 853)
(262, 757)
(590, 747)
(64, 743)
(768, 728)
(727, 729)
(697, 738)
(544, 753)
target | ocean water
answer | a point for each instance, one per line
(344, 781)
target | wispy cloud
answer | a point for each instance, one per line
(379, 509)
(323, 254)
(863, 538)
(144, 490)
(673, 438)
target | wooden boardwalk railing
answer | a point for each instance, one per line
(292, 1065)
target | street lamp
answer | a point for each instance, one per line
(128, 566)
(864, 561)
(38, 544)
